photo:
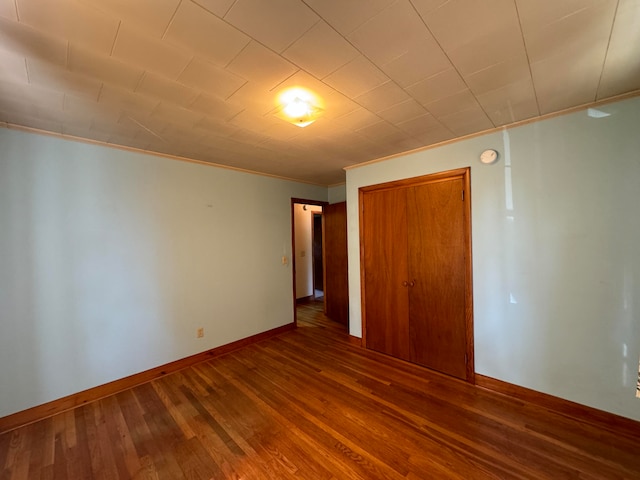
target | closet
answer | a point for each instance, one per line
(416, 271)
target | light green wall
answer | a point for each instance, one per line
(110, 260)
(337, 193)
(556, 269)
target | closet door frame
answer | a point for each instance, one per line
(465, 175)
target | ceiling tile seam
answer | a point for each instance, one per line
(26, 66)
(142, 75)
(526, 52)
(451, 62)
(26, 70)
(204, 7)
(181, 71)
(15, 7)
(170, 22)
(115, 38)
(604, 61)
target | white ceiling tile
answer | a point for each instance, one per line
(254, 98)
(71, 21)
(460, 22)
(37, 96)
(26, 41)
(217, 7)
(536, 15)
(276, 24)
(435, 136)
(8, 9)
(443, 84)
(425, 7)
(338, 104)
(215, 107)
(176, 115)
(382, 97)
(621, 71)
(321, 51)
(510, 103)
(563, 81)
(13, 67)
(402, 112)
(205, 76)
(261, 66)
(120, 99)
(149, 53)
(150, 17)
(204, 34)
(356, 77)
(246, 136)
(467, 121)
(159, 87)
(78, 109)
(576, 34)
(457, 102)
(418, 63)
(104, 68)
(212, 126)
(378, 130)
(475, 34)
(347, 16)
(486, 51)
(393, 32)
(62, 80)
(500, 74)
(357, 119)
(421, 125)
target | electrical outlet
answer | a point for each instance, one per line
(200, 332)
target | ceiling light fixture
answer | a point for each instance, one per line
(299, 106)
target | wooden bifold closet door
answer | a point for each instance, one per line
(416, 271)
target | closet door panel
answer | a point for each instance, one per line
(436, 233)
(386, 302)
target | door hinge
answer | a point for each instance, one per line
(463, 195)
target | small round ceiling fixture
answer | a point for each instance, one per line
(489, 156)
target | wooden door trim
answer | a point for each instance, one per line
(416, 181)
(460, 173)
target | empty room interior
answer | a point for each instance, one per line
(319, 239)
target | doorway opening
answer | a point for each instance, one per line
(317, 263)
(307, 257)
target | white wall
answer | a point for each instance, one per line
(304, 248)
(555, 232)
(110, 261)
(338, 193)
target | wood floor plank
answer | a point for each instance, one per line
(310, 404)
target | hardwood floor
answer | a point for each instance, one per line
(309, 405)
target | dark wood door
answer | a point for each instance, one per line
(336, 293)
(386, 299)
(436, 235)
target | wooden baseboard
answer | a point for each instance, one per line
(30, 415)
(355, 341)
(599, 418)
(303, 300)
